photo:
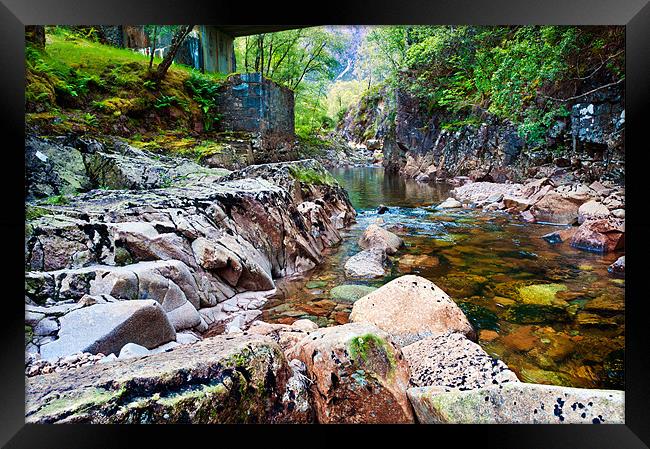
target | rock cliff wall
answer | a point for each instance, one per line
(437, 145)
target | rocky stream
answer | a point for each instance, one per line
(172, 292)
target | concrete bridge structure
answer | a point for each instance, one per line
(209, 48)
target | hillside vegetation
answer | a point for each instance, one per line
(79, 86)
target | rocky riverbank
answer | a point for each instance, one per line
(400, 360)
(595, 213)
(164, 247)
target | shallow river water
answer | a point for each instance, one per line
(551, 312)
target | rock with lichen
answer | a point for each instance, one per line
(223, 379)
(359, 375)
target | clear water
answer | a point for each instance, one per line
(482, 260)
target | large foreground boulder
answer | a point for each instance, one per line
(106, 328)
(377, 237)
(411, 308)
(359, 375)
(223, 379)
(451, 360)
(518, 403)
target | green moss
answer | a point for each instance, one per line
(76, 402)
(480, 317)
(372, 352)
(537, 314)
(542, 294)
(35, 212)
(311, 176)
(29, 334)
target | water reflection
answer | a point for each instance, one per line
(552, 313)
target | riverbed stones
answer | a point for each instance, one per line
(222, 379)
(377, 237)
(518, 403)
(350, 293)
(592, 210)
(601, 236)
(411, 308)
(366, 264)
(556, 209)
(618, 267)
(106, 328)
(451, 360)
(359, 375)
(450, 203)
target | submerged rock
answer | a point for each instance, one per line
(411, 308)
(541, 294)
(359, 375)
(556, 237)
(518, 403)
(223, 379)
(350, 293)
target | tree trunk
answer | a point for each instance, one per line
(35, 35)
(153, 46)
(177, 41)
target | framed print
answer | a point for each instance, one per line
(407, 215)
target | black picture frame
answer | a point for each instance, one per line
(14, 14)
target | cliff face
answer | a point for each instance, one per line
(419, 145)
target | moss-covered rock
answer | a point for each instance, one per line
(359, 375)
(223, 379)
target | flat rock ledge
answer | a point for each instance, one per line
(518, 403)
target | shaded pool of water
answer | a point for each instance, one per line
(570, 331)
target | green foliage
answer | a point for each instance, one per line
(90, 119)
(205, 92)
(165, 101)
(56, 200)
(311, 176)
(509, 71)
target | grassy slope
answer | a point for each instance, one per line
(85, 87)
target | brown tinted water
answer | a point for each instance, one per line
(570, 331)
